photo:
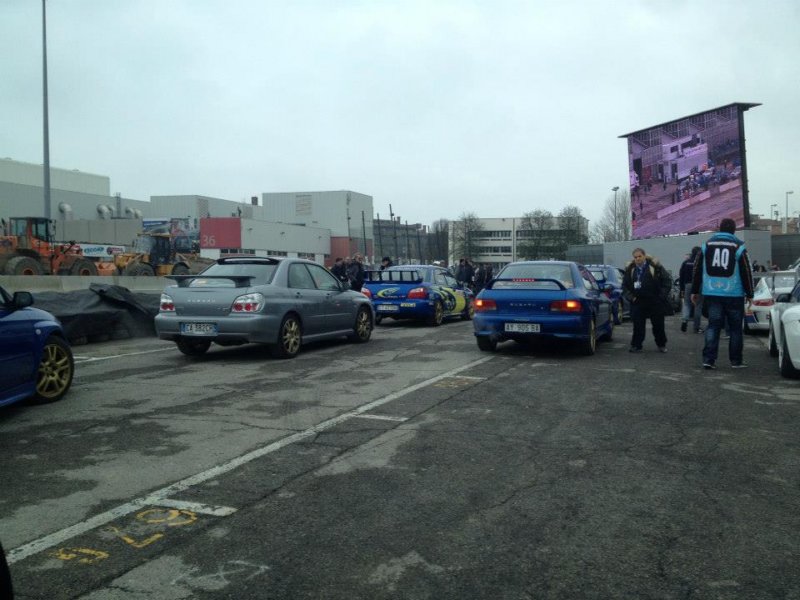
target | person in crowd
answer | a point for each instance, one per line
(686, 273)
(646, 285)
(355, 272)
(338, 269)
(386, 262)
(480, 277)
(722, 275)
(461, 270)
(469, 272)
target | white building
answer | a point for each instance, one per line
(497, 240)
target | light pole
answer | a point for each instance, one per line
(45, 116)
(772, 211)
(614, 189)
(786, 213)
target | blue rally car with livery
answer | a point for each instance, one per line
(543, 300)
(424, 292)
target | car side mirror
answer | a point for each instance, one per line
(22, 299)
(778, 298)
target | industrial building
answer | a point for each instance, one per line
(312, 225)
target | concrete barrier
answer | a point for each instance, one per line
(58, 283)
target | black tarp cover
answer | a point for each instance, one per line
(101, 312)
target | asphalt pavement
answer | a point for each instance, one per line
(414, 466)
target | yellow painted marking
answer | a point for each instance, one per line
(85, 556)
(136, 543)
(170, 516)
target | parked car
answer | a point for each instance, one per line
(423, 292)
(281, 302)
(609, 278)
(35, 358)
(533, 300)
(784, 332)
(766, 290)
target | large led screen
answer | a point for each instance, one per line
(688, 174)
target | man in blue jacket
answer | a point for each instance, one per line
(722, 275)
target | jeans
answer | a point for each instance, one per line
(724, 311)
(687, 307)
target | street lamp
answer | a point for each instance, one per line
(772, 211)
(614, 189)
(786, 214)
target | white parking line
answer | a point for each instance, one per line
(383, 418)
(159, 496)
(86, 359)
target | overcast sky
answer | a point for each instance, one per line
(437, 107)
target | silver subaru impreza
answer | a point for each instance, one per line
(281, 302)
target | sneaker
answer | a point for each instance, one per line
(709, 365)
(662, 349)
(683, 326)
(634, 349)
(726, 336)
(738, 366)
(699, 330)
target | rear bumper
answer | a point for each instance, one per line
(258, 328)
(557, 326)
(403, 309)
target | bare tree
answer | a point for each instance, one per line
(438, 238)
(571, 222)
(534, 231)
(614, 224)
(464, 235)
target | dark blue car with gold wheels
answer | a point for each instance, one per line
(543, 300)
(426, 293)
(35, 358)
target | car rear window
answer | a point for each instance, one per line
(598, 274)
(262, 274)
(397, 276)
(531, 276)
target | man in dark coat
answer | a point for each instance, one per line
(339, 270)
(355, 272)
(646, 286)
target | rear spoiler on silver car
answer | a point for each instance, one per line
(238, 280)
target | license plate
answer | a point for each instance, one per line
(387, 307)
(199, 328)
(522, 327)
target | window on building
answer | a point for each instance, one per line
(277, 253)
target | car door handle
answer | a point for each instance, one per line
(298, 294)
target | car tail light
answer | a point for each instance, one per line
(248, 303)
(419, 293)
(367, 293)
(166, 304)
(484, 304)
(767, 302)
(607, 293)
(566, 306)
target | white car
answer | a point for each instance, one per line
(767, 289)
(784, 332)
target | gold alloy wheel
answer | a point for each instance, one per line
(438, 313)
(291, 336)
(55, 372)
(363, 324)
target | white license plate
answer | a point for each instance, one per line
(199, 328)
(522, 327)
(387, 307)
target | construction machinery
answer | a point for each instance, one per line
(27, 247)
(156, 254)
